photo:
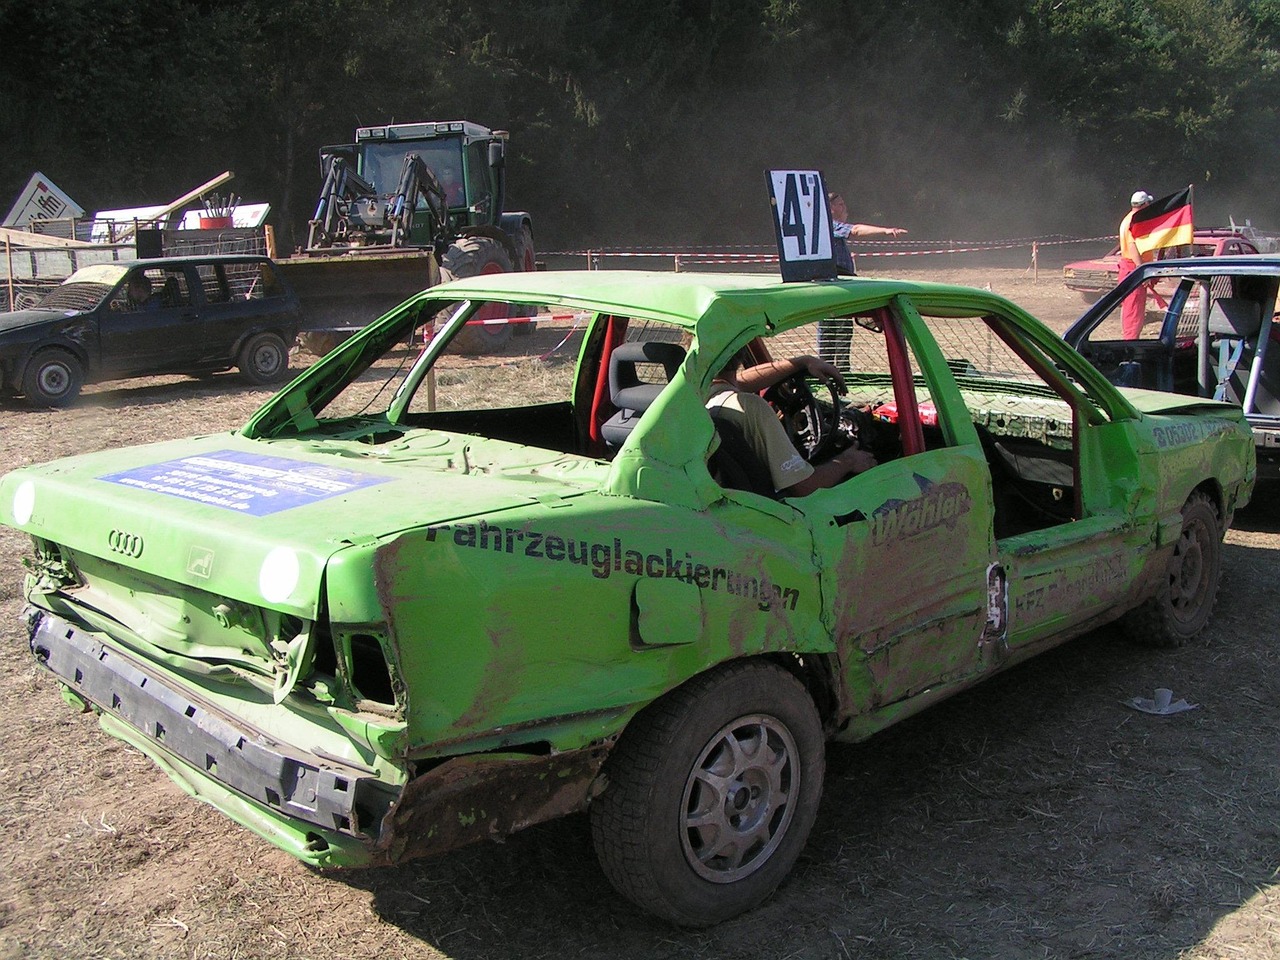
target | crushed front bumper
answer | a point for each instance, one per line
(323, 811)
(179, 729)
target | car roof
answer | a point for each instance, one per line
(1250, 263)
(206, 258)
(111, 272)
(697, 299)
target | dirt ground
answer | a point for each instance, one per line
(1033, 817)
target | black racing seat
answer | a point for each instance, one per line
(632, 383)
(172, 293)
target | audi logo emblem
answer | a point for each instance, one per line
(129, 544)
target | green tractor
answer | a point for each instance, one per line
(406, 206)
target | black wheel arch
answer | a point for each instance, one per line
(1212, 489)
(817, 672)
(18, 370)
(513, 224)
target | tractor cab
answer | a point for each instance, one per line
(410, 184)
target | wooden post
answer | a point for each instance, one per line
(269, 237)
(1035, 260)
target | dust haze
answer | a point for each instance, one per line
(912, 146)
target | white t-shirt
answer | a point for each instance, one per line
(765, 433)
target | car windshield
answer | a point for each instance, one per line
(381, 163)
(85, 289)
(501, 360)
(508, 373)
(75, 296)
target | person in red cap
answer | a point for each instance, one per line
(1135, 305)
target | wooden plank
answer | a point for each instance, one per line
(23, 238)
(183, 200)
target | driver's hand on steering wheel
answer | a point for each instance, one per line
(821, 370)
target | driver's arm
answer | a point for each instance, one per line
(843, 465)
(762, 376)
(791, 475)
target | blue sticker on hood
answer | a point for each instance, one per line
(244, 482)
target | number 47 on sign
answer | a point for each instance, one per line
(802, 222)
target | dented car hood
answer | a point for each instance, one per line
(20, 319)
(259, 520)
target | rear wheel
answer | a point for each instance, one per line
(53, 378)
(1182, 605)
(711, 794)
(264, 359)
(524, 250)
(525, 263)
(474, 257)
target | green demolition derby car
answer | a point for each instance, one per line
(424, 597)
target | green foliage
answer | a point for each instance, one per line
(635, 122)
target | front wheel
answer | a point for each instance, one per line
(1182, 605)
(711, 794)
(488, 329)
(264, 359)
(53, 378)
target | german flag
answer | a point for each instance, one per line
(1163, 223)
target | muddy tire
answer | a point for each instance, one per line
(1189, 587)
(524, 250)
(53, 378)
(264, 359)
(525, 263)
(474, 257)
(711, 793)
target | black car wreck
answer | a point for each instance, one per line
(141, 318)
(1214, 336)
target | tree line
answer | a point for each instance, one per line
(653, 121)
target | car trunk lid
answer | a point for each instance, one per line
(246, 528)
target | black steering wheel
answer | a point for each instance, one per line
(813, 428)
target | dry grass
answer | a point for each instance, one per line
(1033, 817)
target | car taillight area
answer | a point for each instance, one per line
(180, 626)
(367, 671)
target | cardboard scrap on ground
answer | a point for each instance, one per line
(1161, 705)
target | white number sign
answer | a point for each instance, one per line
(802, 223)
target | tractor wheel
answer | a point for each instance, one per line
(1182, 605)
(524, 250)
(525, 264)
(711, 793)
(474, 257)
(53, 378)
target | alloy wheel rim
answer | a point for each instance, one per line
(739, 798)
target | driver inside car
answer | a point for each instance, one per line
(736, 390)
